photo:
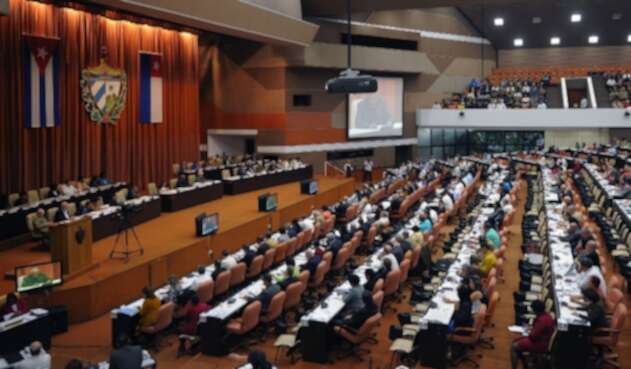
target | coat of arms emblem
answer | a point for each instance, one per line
(104, 92)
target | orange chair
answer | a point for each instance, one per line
(165, 318)
(303, 277)
(294, 295)
(363, 334)
(405, 270)
(205, 290)
(378, 286)
(607, 338)
(291, 247)
(469, 336)
(256, 267)
(391, 287)
(268, 259)
(328, 258)
(319, 275)
(248, 320)
(377, 298)
(281, 253)
(237, 274)
(370, 238)
(275, 308)
(341, 258)
(614, 297)
(222, 283)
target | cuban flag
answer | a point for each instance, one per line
(150, 88)
(41, 82)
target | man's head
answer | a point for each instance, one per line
(194, 299)
(64, 205)
(267, 279)
(35, 348)
(387, 249)
(538, 307)
(354, 280)
(40, 212)
(586, 233)
(590, 246)
(590, 295)
(584, 263)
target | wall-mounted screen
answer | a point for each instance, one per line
(378, 114)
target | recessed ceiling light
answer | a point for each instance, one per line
(593, 39)
(498, 22)
(629, 38)
(555, 41)
(518, 42)
(576, 17)
(536, 20)
(616, 16)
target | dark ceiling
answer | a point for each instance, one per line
(518, 18)
(597, 19)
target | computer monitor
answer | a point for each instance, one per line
(309, 187)
(268, 202)
(33, 277)
(207, 224)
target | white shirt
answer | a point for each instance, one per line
(393, 259)
(433, 215)
(542, 105)
(447, 202)
(228, 262)
(307, 223)
(584, 277)
(41, 361)
(69, 190)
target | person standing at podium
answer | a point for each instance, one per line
(63, 214)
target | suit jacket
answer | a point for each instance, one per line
(126, 357)
(267, 294)
(312, 264)
(60, 216)
(248, 257)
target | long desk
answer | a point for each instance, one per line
(106, 224)
(573, 336)
(241, 185)
(19, 332)
(199, 193)
(13, 221)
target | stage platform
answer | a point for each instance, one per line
(171, 247)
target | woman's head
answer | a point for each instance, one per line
(147, 292)
(538, 307)
(464, 293)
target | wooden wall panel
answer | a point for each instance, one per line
(565, 56)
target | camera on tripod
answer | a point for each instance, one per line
(124, 227)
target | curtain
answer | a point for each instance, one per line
(128, 151)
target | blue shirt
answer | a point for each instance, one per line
(425, 226)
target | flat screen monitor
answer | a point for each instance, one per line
(309, 187)
(207, 224)
(378, 114)
(271, 202)
(38, 276)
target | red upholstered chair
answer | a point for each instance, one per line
(248, 320)
(363, 334)
(268, 259)
(256, 267)
(205, 290)
(607, 338)
(275, 308)
(237, 274)
(341, 258)
(391, 286)
(405, 270)
(416, 256)
(222, 283)
(291, 246)
(370, 238)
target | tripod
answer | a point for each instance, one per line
(124, 227)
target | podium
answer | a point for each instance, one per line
(71, 243)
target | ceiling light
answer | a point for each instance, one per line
(536, 20)
(576, 17)
(498, 22)
(518, 42)
(616, 16)
(593, 39)
(629, 38)
(555, 41)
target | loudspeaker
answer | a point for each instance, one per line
(59, 319)
(4, 7)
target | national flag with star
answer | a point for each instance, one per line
(150, 88)
(41, 66)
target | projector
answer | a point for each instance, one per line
(350, 81)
